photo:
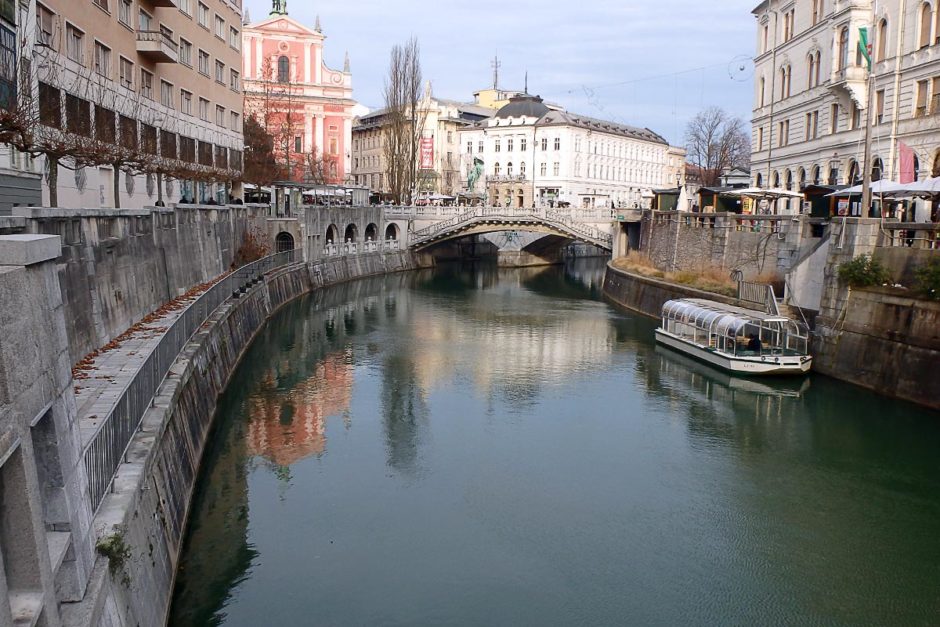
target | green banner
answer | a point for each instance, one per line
(864, 47)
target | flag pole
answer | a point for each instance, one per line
(866, 165)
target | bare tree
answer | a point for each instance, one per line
(404, 122)
(716, 142)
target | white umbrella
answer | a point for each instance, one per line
(929, 187)
(759, 192)
(878, 187)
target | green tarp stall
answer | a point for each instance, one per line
(666, 199)
(714, 197)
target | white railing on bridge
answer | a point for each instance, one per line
(392, 244)
(591, 214)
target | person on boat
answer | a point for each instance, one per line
(754, 344)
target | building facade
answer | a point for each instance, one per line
(812, 91)
(440, 121)
(135, 101)
(531, 154)
(306, 105)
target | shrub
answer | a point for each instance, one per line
(863, 271)
(927, 279)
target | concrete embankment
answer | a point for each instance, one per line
(880, 340)
(144, 518)
(646, 295)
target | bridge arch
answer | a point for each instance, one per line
(283, 242)
(332, 234)
(352, 232)
(372, 232)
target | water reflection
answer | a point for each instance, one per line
(474, 446)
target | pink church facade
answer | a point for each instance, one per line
(284, 70)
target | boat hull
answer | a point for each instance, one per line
(748, 366)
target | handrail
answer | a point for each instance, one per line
(108, 445)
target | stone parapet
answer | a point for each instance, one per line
(27, 249)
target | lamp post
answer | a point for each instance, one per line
(678, 189)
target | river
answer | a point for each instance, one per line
(473, 446)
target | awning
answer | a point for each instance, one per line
(758, 192)
(878, 187)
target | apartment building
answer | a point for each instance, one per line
(143, 99)
(812, 91)
(536, 155)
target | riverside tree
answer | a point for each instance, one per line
(716, 142)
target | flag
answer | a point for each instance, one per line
(906, 157)
(863, 46)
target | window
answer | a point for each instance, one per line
(220, 116)
(127, 73)
(146, 84)
(881, 46)
(186, 6)
(204, 63)
(789, 21)
(543, 169)
(220, 27)
(522, 169)
(236, 122)
(283, 69)
(879, 106)
(920, 108)
(544, 143)
(469, 148)
(101, 3)
(509, 143)
(44, 21)
(166, 94)
(186, 52)
(186, 102)
(765, 39)
(785, 74)
(833, 119)
(843, 48)
(496, 169)
(818, 65)
(926, 13)
(480, 146)
(812, 119)
(760, 138)
(783, 134)
(496, 146)
(817, 11)
(557, 143)
(125, 8)
(219, 72)
(450, 137)
(935, 96)
(523, 144)
(203, 109)
(763, 88)
(144, 21)
(556, 169)
(812, 70)
(234, 81)
(856, 117)
(102, 59)
(74, 44)
(233, 39)
(203, 16)
(509, 169)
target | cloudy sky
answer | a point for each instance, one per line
(651, 63)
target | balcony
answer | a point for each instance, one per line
(502, 178)
(170, 4)
(851, 84)
(157, 46)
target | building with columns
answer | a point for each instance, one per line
(535, 154)
(812, 92)
(306, 105)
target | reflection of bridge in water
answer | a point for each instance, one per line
(433, 225)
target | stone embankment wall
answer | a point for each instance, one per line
(149, 506)
(763, 247)
(646, 295)
(118, 265)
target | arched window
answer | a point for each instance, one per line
(817, 173)
(802, 179)
(509, 169)
(881, 46)
(936, 165)
(926, 13)
(818, 65)
(877, 167)
(812, 70)
(843, 48)
(763, 89)
(817, 11)
(496, 169)
(916, 168)
(759, 181)
(853, 174)
(776, 180)
(283, 69)
(783, 83)
(522, 169)
(789, 179)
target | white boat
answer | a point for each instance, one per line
(741, 341)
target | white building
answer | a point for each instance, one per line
(811, 90)
(533, 154)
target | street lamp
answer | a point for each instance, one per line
(678, 189)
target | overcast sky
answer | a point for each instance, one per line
(632, 61)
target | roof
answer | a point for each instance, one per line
(524, 106)
(467, 112)
(603, 126)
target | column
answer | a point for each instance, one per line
(259, 59)
(318, 134)
(307, 62)
(308, 132)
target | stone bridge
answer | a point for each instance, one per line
(433, 225)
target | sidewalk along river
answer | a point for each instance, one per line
(473, 446)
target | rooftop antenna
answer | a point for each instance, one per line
(496, 65)
(526, 88)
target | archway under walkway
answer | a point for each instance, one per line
(283, 242)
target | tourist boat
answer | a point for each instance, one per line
(723, 336)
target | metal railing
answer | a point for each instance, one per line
(160, 37)
(760, 294)
(108, 445)
(923, 235)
